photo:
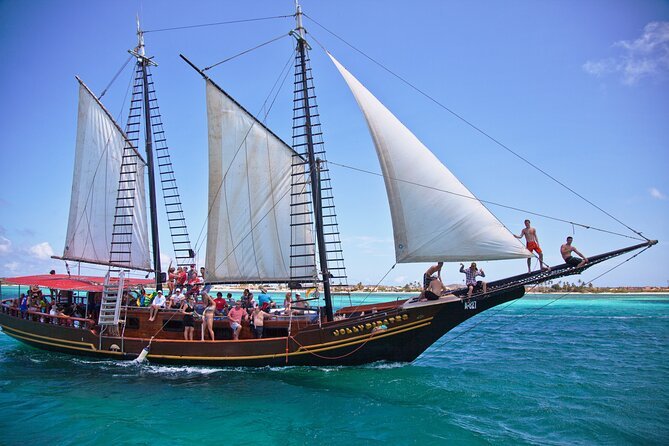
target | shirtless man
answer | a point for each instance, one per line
(427, 277)
(532, 240)
(434, 290)
(570, 260)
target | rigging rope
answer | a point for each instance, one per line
(118, 73)
(286, 68)
(448, 341)
(230, 22)
(470, 124)
(245, 51)
(487, 201)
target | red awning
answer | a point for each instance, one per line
(71, 283)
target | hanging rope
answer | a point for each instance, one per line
(472, 125)
(245, 51)
(230, 22)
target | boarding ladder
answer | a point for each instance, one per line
(110, 307)
(302, 256)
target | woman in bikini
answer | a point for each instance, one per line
(210, 308)
(187, 308)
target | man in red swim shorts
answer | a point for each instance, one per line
(532, 240)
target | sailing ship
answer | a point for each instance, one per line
(278, 227)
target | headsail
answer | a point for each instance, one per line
(428, 224)
(95, 185)
(249, 227)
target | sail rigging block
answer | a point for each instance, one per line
(98, 175)
(249, 226)
(435, 217)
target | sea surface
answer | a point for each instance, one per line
(546, 369)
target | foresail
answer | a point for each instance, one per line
(435, 217)
(97, 166)
(249, 226)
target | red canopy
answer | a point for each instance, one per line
(72, 283)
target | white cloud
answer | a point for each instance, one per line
(12, 266)
(5, 245)
(42, 250)
(646, 56)
(655, 193)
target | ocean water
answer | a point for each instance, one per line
(578, 370)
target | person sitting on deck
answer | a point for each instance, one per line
(236, 315)
(287, 303)
(156, 305)
(433, 291)
(470, 278)
(570, 260)
(258, 318)
(300, 304)
(195, 286)
(231, 301)
(428, 276)
(221, 304)
(265, 300)
(176, 298)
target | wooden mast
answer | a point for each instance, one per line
(314, 168)
(148, 143)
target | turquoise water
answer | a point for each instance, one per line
(582, 370)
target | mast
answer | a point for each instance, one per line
(314, 169)
(144, 62)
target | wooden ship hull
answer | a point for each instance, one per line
(398, 331)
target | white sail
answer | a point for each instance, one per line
(435, 217)
(249, 224)
(97, 166)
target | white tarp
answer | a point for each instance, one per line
(95, 184)
(435, 217)
(249, 224)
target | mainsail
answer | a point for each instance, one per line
(435, 217)
(95, 187)
(249, 226)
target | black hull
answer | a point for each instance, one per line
(410, 330)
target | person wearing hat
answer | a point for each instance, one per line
(176, 298)
(265, 301)
(300, 304)
(470, 278)
(156, 305)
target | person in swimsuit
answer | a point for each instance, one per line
(434, 290)
(188, 308)
(532, 240)
(208, 315)
(567, 249)
(428, 277)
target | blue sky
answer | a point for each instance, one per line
(580, 89)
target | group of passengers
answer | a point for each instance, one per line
(187, 296)
(433, 286)
(35, 301)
